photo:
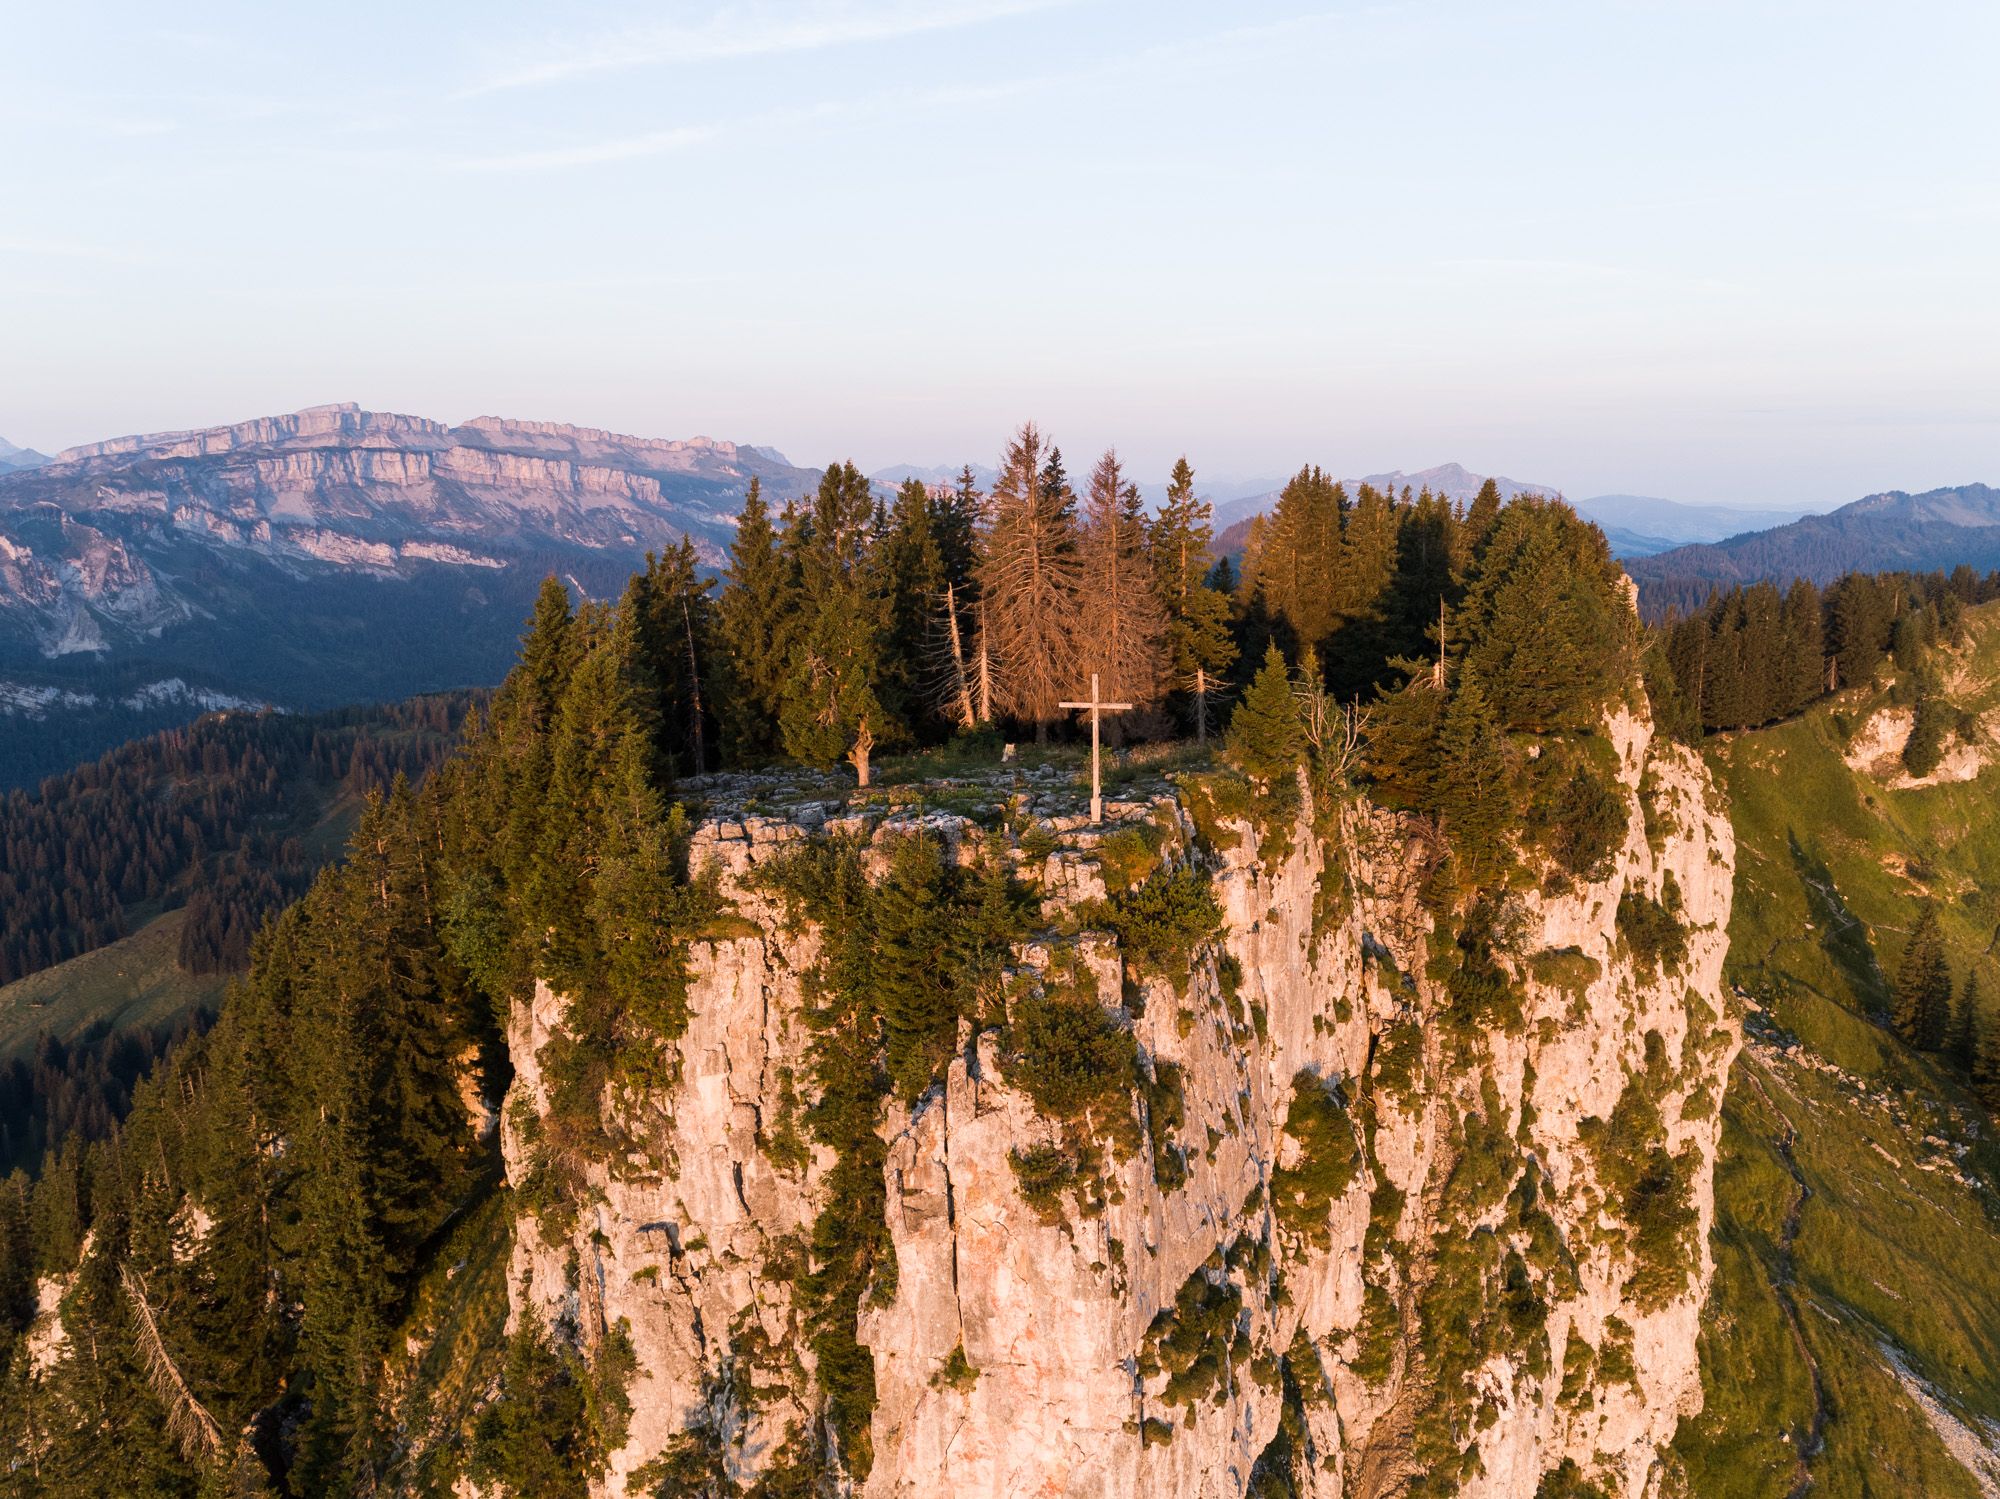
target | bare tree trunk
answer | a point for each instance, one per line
(1201, 705)
(985, 669)
(962, 689)
(864, 741)
(694, 690)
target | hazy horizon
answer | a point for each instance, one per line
(1721, 254)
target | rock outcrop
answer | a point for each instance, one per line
(1400, 1232)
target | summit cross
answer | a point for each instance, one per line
(1097, 706)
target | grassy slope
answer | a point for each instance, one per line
(132, 982)
(1858, 1225)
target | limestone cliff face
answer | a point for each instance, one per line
(1199, 1324)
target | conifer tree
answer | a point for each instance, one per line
(1474, 790)
(1199, 647)
(1265, 737)
(829, 709)
(908, 579)
(1961, 1042)
(1402, 758)
(1923, 986)
(913, 912)
(1481, 516)
(1547, 624)
(1354, 651)
(668, 618)
(1030, 580)
(750, 623)
(1119, 617)
(1985, 1050)
(1297, 557)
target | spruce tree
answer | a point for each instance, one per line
(1402, 758)
(1923, 985)
(1030, 580)
(1546, 621)
(1481, 516)
(1119, 619)
(907, 577)
(1474, 789)
(1961, 1042)
(829, 708)
(668, 621)
(750, 623)
(1198, 644)
(1265, 738)
(913, 918)
(1985, 1051)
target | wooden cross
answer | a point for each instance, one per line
(1096, 706)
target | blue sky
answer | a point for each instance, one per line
(1720, 252)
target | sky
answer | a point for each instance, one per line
(1725, 253)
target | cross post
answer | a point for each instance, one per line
(1097, 706)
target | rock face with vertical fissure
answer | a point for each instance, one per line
(1523, 1298)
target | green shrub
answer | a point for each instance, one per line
(1071, 1056)
(1166, 1112)
(958, 1372)
(1328, 1160)
(1194, 1341)
(1042, 1173)
(1160, 923)
(1582, 824)
(1652, 931)
(1129, 855)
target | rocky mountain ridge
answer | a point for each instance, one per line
(295, 559)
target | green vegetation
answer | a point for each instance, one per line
(1197, 1342)
(1326, 1163)
(1850, 1245)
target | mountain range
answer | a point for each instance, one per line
(1936, 530)
(333, 555)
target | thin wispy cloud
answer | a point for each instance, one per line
(593, 153)
(1146, 61)
(738, 31)
(63, 249)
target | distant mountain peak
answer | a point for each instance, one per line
(12, 458)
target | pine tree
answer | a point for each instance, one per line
(1119, 617)
(1198, 645)
(1265, 739)
(1030, 580)
(1923, 986)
